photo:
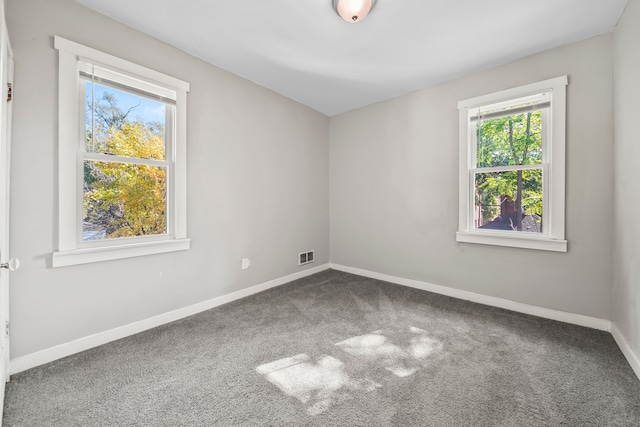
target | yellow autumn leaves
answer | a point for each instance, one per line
(126, 198)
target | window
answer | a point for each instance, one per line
(122, 147)
(512, 157)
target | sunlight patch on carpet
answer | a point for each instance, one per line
(317, 385)
(324, 382)
(401, 361)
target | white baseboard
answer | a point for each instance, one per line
(547, 313)
(38, 358)
(626, 349)
(49, 355)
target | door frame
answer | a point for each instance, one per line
(6, 77)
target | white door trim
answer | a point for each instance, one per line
(6, 76)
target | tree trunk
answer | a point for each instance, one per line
(518, 206)
(519, 203)
(517, 161)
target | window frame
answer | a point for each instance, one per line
(553, 169)
(71, 249)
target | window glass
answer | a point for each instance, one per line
(509, 140)
(123, 200)
(111, 117)
(125, 174)
(509, 194)
(510, 201)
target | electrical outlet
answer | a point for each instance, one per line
(246, 263)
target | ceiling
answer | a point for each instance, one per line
(303, 50)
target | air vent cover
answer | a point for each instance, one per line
(306, 258)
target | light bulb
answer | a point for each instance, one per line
(353, 10)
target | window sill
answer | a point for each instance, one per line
(107, 253)
(537, 243)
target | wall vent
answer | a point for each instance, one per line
(306, 258)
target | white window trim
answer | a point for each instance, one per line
(554, 188)
(69, 252)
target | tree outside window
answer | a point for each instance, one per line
(509, 199)
(123, 197)
(512, 167)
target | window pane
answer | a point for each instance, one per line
(509, 140)
(123, 200)
(498, 207)
(124, 124)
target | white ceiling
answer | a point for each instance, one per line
(302, 49)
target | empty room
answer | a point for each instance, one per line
(320, 213)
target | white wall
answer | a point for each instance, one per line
(394, 188)
(257, 186)
(626, 255)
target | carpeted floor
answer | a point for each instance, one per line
(336, 349)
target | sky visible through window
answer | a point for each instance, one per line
(144, 110)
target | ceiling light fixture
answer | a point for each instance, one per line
(353, 11)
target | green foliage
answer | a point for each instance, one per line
(507, 141)
(510, 140)
(492, 185)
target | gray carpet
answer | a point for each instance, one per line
(336, 349)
